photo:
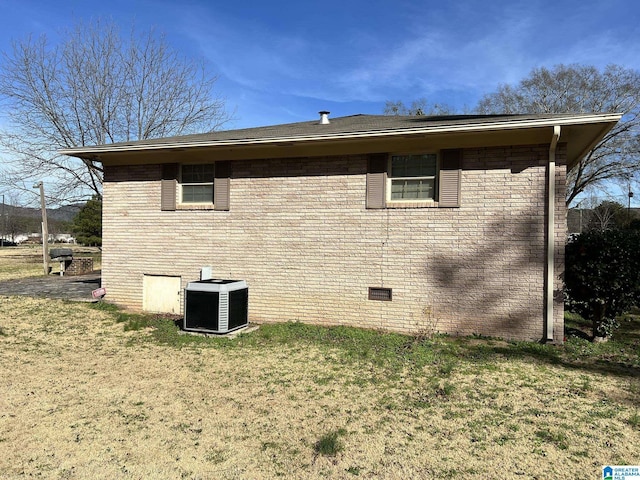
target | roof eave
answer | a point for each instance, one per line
(573, 160)
(609, 120)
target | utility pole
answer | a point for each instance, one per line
(45, 229)
(4, 224)
(629, 204)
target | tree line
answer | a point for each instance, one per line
(18, 221)
(607, 215)
(84, 222)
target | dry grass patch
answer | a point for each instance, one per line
(20, 262)
(83, 397)
(26, 260)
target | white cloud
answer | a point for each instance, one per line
(248, 53)
(467, 47)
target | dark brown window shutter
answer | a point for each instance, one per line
(450, 178)
(221, 186)
(376, 179)
(168, 186)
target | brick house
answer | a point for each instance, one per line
(451, 224)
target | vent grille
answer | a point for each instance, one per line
(378, 293)
(223, 312)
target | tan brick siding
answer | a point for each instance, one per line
(298, 232)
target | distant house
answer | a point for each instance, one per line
(62, 238)
(37, 238)
(23, 237)
(452, 224)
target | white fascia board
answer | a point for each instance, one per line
(390, 133)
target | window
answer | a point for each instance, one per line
(412, 177)
(196, 183)
(425, 180)
(195, 187)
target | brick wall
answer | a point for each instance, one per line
(79, 266)
(299, 233)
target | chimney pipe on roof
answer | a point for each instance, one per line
(324, 117)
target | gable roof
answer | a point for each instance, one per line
(584, 129)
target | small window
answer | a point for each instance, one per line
(196, 183)
(413, 177)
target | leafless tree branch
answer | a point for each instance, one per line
(96, 87)
(582, 89)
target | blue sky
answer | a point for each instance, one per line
(281, 62)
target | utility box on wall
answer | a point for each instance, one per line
(216, 306)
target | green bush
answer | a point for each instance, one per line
(602, 276)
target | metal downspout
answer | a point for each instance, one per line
(551, 232)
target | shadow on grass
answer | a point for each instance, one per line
(620, 356)
(577, 333)
(393, 352)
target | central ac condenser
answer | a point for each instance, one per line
(216, 306)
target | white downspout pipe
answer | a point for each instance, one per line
(551, 232)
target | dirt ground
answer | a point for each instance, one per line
(81, 398)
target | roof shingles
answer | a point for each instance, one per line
(339, 127)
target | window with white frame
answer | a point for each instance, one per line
(412, 177)
(196, 183)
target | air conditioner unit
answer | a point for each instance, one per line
(216, 306)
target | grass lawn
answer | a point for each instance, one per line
(91, 392)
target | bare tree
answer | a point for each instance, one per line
(609, 215)
(96, 87)
(581, 89)
(605, 216)
(418, 107)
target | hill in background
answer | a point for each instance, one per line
(16, 221)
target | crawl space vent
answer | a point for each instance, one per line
(379, 293)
